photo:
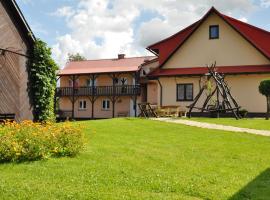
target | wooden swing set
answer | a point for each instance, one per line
(224, 100)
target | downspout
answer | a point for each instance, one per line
(161, 93)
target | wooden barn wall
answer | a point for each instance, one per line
(14, 97)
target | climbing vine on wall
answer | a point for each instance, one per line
(42, 81)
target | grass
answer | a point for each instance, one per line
(143, 159)
(256, 123)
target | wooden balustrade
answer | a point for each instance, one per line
(119, 90)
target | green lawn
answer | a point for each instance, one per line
(143, 159)
(256, 123)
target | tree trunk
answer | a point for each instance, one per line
(268, 107)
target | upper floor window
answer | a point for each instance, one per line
(184, 92)
(70, 83)
(89, 83)
(214, 32)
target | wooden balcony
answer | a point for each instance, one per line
(119, 90)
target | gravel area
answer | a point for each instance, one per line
(214, 126)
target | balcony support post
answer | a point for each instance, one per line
(93, 97)
(113, 98)
(136, 81)
(73, 95)
(55, 97)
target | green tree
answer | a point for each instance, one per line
(264, 89)
(43, 71)
(75, 57)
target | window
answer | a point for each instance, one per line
(82, 105)
(106, 104)
(184, 92)
(89, 82)
(214, 32)
(70, 83)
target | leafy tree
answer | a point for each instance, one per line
(75, 57)
(264, 89)
(42, 81)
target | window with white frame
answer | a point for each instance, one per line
(105, 104)
(82, 105)
(89, 82)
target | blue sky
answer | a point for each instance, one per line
(104, 28)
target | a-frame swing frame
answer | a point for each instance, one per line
(222, 91)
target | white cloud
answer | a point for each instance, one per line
(65, 11)
(265, 3)
(113, 22)
(243, 19)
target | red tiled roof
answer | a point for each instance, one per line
(203, 70)
(104, 66)
(259, 38)
(168, 45)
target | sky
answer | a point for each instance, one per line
(104, 28)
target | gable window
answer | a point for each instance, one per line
(82, 105)
(214, 32)
(184, 92)
(105, 104)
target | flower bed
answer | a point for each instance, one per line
(28, 141)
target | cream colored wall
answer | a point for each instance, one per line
(121, 106)
(152, 92)
(169, 90)
(102, 80)
(231, 49)
(244, 89)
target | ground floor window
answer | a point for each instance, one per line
(82, 105)
(106, 104)
(184, 92)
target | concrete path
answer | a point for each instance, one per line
(214, 126)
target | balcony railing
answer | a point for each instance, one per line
(119, 90)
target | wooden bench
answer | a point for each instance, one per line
(122, 114)
(171, 111)
(6, 117)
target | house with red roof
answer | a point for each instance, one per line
(172, 77)
(241, 51)
(104, 88)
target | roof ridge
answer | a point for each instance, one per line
(247, 24)
(111, 59)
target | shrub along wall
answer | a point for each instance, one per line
(42, 81)
(30, 141)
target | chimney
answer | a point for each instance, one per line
(121, 56)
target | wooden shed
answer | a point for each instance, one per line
(16, 42)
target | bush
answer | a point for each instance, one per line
(30, 141)
(264, 89)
